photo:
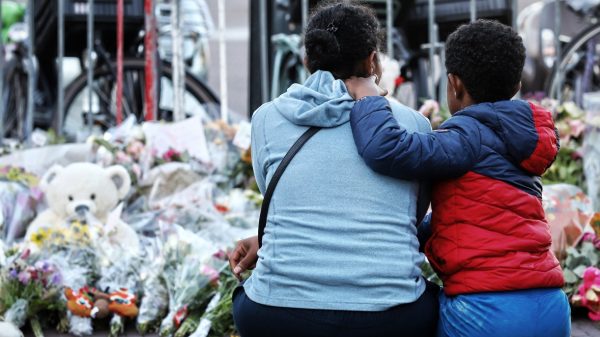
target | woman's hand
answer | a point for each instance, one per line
(244, 256)
(359, 87)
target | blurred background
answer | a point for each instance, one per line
(225, 58)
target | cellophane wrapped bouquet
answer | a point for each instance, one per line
(191, 272)
(29, 289)
(71, 248)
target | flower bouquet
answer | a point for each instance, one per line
(28, 289)
(588, 293)
(120, 276)
(70, 248)
(582, 277)
(19, 196)
(191, 274)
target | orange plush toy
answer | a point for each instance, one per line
(123, 303)
(79, 302)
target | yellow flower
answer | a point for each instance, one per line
(58, 237)
(40, 237)
(80, 233)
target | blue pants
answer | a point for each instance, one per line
(524, 313)
(417, 319)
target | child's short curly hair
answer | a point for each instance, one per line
(488, 57)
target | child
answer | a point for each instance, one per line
(490, 242)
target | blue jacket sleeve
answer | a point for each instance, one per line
(389, 149)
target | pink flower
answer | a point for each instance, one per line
(210, 272)
(122, 158)
(24, 277)
(135, 149)
(588, 236)
(220, 254)
(25, 254)
(171, 155)
(577, 127)
(588, 294)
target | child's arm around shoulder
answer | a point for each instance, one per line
(391, 150)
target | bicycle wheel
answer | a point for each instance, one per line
(15, 100)
(199, 99)
(578, 66)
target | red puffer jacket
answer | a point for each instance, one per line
(488, 223)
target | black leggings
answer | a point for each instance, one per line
(416, 319)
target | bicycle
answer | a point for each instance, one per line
(199, 99)
(578, 66)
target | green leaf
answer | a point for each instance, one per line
(570, 277)
(579, 271)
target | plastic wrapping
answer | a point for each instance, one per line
(19, 197)
(70, 247)
(17, 313)
(154, 304)
(184, 254)
(27, 288)
(568, 211)
(591, 148)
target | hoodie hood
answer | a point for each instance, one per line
(527, 131)
(321, 101)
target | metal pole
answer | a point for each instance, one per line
(432, 41)
(515, 11)
(90, 63)
(304, 15)
(178, 70)
(61, 54)
(150, 57)
(473, 10)
(119, 61)
(264, 50)
(389, 18)
(31, 78)
(2, 112)
(223, 63)
(557, 24)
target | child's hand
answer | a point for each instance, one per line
(359, 87)
(244, 256)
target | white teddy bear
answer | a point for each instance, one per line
(81, 188)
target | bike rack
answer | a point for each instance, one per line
(1, 84)
(90, 63)
(557, 24)
(61, 55)
(223, 63)
(31, 81)
(151, 62)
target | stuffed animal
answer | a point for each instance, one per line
(90, 302)
(79, 302)
(82, 191)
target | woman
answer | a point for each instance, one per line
(340, 253)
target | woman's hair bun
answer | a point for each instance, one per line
(322, 48)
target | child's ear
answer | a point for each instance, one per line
(457, 86)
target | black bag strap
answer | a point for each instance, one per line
(264, 210)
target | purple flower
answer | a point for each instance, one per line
(24, 277)
(43, 266)
(56, 279)
(13, 274)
